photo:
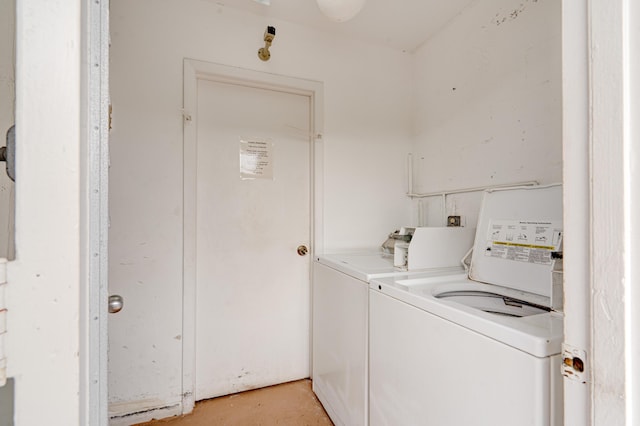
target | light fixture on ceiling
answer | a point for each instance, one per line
(340, 10)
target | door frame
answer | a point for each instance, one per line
(195, 70)
(601, 220)
(95, 214)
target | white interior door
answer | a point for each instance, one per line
(252, 286)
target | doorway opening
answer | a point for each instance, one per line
(230, 125)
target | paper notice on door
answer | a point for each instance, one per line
(524, 240)
(256, 159)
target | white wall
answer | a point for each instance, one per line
(366, 138)
(488, 103)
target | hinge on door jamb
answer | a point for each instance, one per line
(186, 115)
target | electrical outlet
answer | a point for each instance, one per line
(453, 221)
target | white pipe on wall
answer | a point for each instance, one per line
(409, 173)
(444, 194)
(473, 189)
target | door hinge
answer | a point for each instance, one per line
(186, 115)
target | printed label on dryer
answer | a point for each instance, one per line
(523, 240)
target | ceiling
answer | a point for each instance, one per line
(399, 24)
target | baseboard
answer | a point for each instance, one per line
(145, 415)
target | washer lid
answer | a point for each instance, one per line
(518, 228)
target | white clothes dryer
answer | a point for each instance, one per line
(340, 320)
(483, 350)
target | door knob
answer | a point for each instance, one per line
(302, 250)
(116, 303)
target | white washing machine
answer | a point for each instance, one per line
(483, 350)
(341, 314)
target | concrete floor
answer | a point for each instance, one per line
(291, 403)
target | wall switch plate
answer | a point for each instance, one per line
(453, 221)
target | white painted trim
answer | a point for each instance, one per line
(44, 343)
(194, 70)
(601, 94)
(189, 240)
(608, 205)
(146, 416)
(576, 200)
(95, 166)
(631, 29)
